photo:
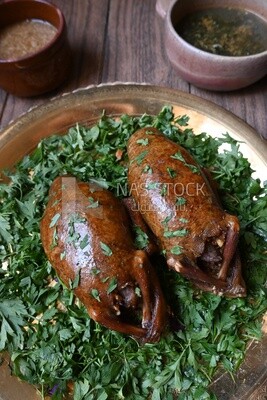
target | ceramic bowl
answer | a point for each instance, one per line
(41, 71)
(207, 70)
(162, 7)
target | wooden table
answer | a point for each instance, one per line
(122, 40)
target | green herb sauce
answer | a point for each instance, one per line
(225, 31)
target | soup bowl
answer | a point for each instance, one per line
(205, 69)
(40, 69)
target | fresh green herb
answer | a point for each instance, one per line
(167, 219)
(177, 250)
(95, 294)
(54, 220)
(179, 156)
(171, 172)
(164, 189)
(149, 132)
(73, 236)
(84, 242)
(140, 158)
(152, 185)
(13, 314)
(75, 283)
(54, 239)
(141, 238)
(147, 169)
(5, 228)
(105, 249)
(56, 202)
(95, 271)
(51, 338)
(180, 201)
(93, 203)
(177, 233)
(112, 285)
(143, 142)
(193, 168)
(182, 120)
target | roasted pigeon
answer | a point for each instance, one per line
(174, 196)
(87, 238)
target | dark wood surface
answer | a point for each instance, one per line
(115, 40)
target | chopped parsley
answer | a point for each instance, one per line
(177, 250)
(164, 189)
(76, 281)
(93, 203)
(149, 132)
(51, 338)
(178, 156)
(95, 294)
(141, 238)
(54, 239)
(143, 142)
(84, 242)
(167, 219)
(105, 249)
(54, 220)
(180, 201)
(171, 172)
(112, 285)
(140, 158)
(147, 169)
(176, 233)
(152, 185)
(95, 271)
(73, 235)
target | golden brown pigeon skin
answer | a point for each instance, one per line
(198, 238)
(86, 235)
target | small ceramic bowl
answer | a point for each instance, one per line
(41, 69)
(207, 70)
(162, 7)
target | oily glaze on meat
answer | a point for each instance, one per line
(198, 238)
(85, 232)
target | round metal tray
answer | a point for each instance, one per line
(86, 106)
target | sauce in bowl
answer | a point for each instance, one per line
(25, 38)
(224, 31)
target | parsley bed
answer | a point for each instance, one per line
(48, 333)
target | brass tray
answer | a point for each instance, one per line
(86, 106)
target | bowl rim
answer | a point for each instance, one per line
(59, 31)
(232, 59)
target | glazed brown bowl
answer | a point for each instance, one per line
(207, 70)
(45, 69)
